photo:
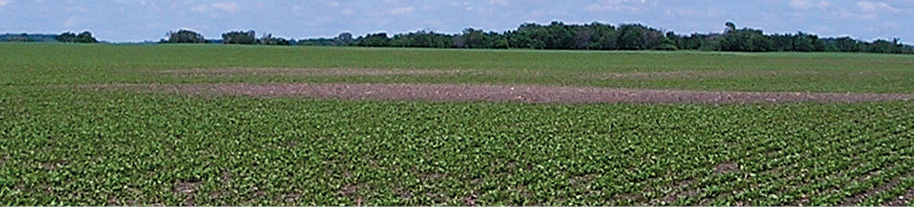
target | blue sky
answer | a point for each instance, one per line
(139, 20)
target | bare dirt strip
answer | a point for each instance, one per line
(318, 72)
(496, 93)
(902, 200)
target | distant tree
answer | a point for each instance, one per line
(598, 36)
(471, 38)
(66, 37)
(631, 37)
(422, 39)
(85, 37)
(318, 42)
(606, 39)
(807, 43)
(239, 37)
(344, 38)
(667, 42)
(558, 36)
(744, 40)
(882, 46)
(374, 40)
(185, 36)
(69, 37)
(268, 39)
(845, 44)
(528, 35)
(730, 27)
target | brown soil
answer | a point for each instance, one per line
(470, 200)
(679, 191)
(430, 176)
(902, 200)
(726, 167)
(404, 193)
(353, 189)
(187, 188)
(496, 93)
(691, 74)
(850, 201)
(291, 197)
(226, 176)
(304, 72)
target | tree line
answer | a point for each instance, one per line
(593, 36)
(557, 35)
(598, 36)
(69, 37)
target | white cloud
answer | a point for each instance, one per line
(348, 11)
(686, 12)
(5, 2)
(847, 14)
(499, 2)
(619, 5)
(870, 7)
(226, 6)
(401, 10)
(808, 4)
(223, 6)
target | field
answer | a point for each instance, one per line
(237, 125)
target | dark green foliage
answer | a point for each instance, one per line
(422, 39)
(473, 38)
(63, 147)
(843, 44)
(631, 36)
(239, 37)
(374, 40)
(744, 40)
(268, 39)
(69, 37)
(598, 36)
(185, 36)
(63, 144)
(66, 37)
(343, 39)
(25, 37)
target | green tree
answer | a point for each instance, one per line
(185, 36)
(745, 39)
(631, 37)
(82, 37)
(239, 37)
(374, 40)
(66, 37)
(344, 38)
(85, 37)
(471, 38)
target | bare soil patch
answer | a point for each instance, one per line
(680, 189)
(470, 200)
(317, 72)
(496, 93)
(187, 188)
(726, 167)
(693, 74)
(902, 200)
(850, 201)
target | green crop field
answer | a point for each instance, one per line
(64, 144)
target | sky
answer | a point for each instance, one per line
(150, 20)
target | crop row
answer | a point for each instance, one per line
(69, 147)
